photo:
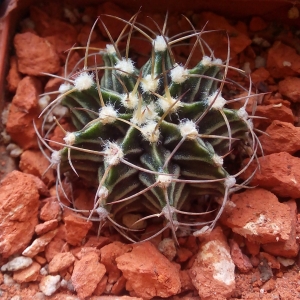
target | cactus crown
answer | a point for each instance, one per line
(152, 140)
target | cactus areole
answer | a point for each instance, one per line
(155, 143)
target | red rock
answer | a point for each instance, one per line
(186, 281)
(101, 286)
(57, 245)
(61, 261)
(35, 54)
(257, 24)
(42, 188)
(218, 40)
(19, 202)
(259, 75)
(212, 272)
(241, 261)
(281, 136)
(51, 210)
(183, 254)
(28, 274)
(148, 272)
(86, 275)
(22, 111)
(76, 228)
(84, 34)
(35, 163)
(290, 248)
(252, 247)
(119, 286)
(279, 173)
(272, 261)
(114, 298)
(97, 241)
(45, 227)
(13, 77)
(39, 244)
(258, 216)
(108, 255)
(272, 112)
(114, 26)
(283, 60)
(290, 87)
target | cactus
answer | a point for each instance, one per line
(151, 141)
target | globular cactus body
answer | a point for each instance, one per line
(150, 141)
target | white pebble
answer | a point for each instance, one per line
(17, 263)
(49, 284)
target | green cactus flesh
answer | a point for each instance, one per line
(150, 141)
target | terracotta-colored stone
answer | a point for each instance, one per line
(257, 24)
(119, 286)
(28, 274)
(272, 261)
(101, 286)
(283, 60)
(212, 272)
(108, 255)
(290, 248)
(84, 34)
(19, 202)
(39, 244)
(279, 173)
(290, 87)
(97, 241)
(56, 245)
(218, 40)
(148, 272)
(22, 111)
(42, 188)
(241, 261)
(258, 216)
(87, 273)
(61, 261)
(35, 54)
(281, 136)
(13, 77)
(252, 247)
(259, 75)
(35, 163)
(51, 210)
(186, 281)
(45, 227)
(76, 228)
(183, 254)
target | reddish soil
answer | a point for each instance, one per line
(253, 253)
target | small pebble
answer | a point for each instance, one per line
(18, 263)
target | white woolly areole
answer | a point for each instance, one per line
(166, 103)
(64, 87)
(103, 213)
(149, 84)
(179, 74)
(206, 61)
(218, 101)
(112, 154)
(160, 43)
(229, 182)
(107, 114)
(110, 49)
(55, 157)
(218, 160)
(146, 114)
(130, 101)
(164, 180)
(102, 193)
(217, 61)
(242, 113)
(125, 67)
(188, 129)
(149, 133)
(69, 138)
(84, 81)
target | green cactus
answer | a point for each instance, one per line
(150, 141)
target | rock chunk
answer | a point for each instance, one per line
(290, 87)
(35, 54)
(149, 273)
(258, 216)
(212, 272)
(278, 173)
(19, 202)
(61, 261)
